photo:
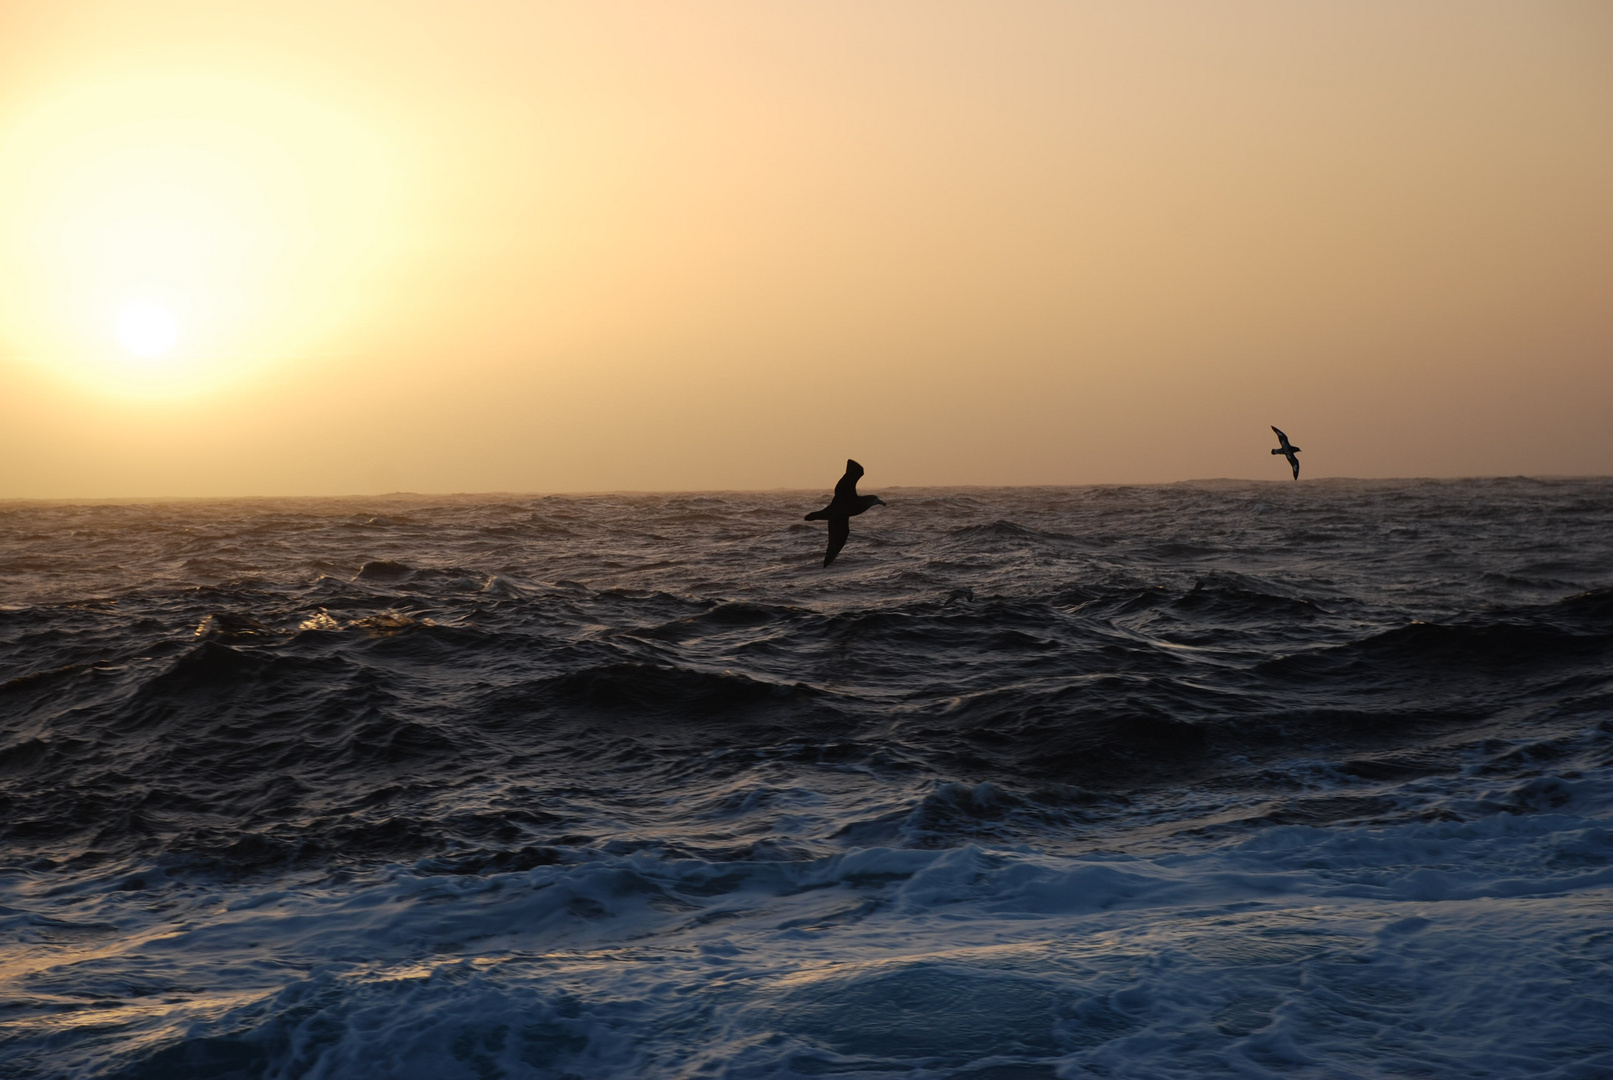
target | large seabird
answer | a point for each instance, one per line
(1288, 451)
(846, 505)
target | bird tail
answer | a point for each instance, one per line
(817, 515)
(1278, 451)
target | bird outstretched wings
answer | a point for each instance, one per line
(1287, 450)
(845, 505)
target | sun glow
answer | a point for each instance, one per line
(213, 224)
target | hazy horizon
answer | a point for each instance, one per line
(806, 492)
(345, 249)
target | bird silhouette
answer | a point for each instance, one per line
(845, 505)
(1288, 451)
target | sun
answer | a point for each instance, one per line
(146, 329)
(164, 234)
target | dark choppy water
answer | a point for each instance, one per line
(1201, 780)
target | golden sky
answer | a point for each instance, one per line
(346, 247)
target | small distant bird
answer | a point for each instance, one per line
(1287, 450)
(845, 505)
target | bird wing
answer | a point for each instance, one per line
(839, 530)
(846, 490)
(1280, 436)
(1293, 459)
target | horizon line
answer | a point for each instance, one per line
(103, 500)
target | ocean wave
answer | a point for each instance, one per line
(891, 961)
(1007, 530)
(1491, 648)
(1213, 779)
(644, 688)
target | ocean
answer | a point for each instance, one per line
(1216, 779)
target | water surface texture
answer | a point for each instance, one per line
(1243, 780)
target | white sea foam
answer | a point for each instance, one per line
(1479, 948)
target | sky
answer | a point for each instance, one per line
(351, 247)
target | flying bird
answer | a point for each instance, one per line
(845, 505)
(1287, 450)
